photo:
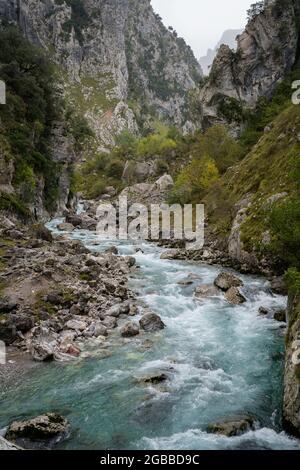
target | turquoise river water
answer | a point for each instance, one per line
(221, 360)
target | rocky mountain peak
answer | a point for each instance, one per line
(266, 51)
(228, 38)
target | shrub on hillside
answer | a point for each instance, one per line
(196, 178)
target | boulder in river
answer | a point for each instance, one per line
(151, 322)
(276, 314)
(74, 219)
(112, 250)
(130, 261)
(130, 329)
(43, 348)
(65, 227)
(170, 254)
(88, 223)
(185, 282)
(226, 280)
(42, 343)
(44, 431)
(235, 426)
(153, 379)
(96, 329)
(278, 286)
(234, 296)
(118, 309)
(280, 315)
(264, 312)
(110, 322)
(206, 290)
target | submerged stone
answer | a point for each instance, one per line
(151, 322)
(42, 431)
(235, 426)
(225, 281)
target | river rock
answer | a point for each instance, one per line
(65, 227)
(118, 309)
(206, 290)
(43, 344)
(264, 312)
(278, 286)
(67, 337)
(233, 427)
(185, 282)
(42, 431)
(153, 379)
(69, 350)
(225, 281)
(88, 223)
(151, 322)
(74, 220)
(130, 261)
(76, 325)
(110, 322)
(96, 329)
(113, 250)
(276, 314)
(170, 254)
(280, 315)
(130, 329)
(234, 296)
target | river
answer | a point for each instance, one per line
(221, 360)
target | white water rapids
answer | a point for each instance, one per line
(221, 360)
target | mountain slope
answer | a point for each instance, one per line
(122, 66)
(239, 205)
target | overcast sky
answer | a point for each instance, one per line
(202, 22)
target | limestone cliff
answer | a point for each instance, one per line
(266, 50)
(122, 66)
(291, 409)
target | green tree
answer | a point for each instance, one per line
(220, 146)
(194, 180)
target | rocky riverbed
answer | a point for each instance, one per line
(158, 335)
(57, 296)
